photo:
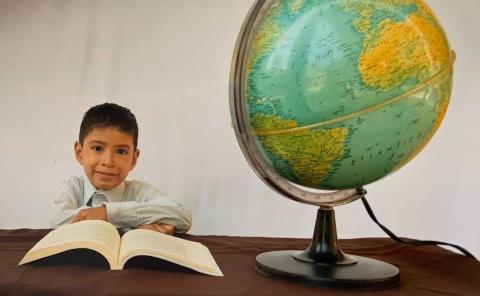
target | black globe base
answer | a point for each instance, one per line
(325, 264)
(366, 273)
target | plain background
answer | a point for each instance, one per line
(169, 62)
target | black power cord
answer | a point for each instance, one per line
(411, 241)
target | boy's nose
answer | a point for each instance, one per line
(108, 159)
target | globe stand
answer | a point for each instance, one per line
(324, 262)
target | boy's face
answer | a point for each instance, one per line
(107, 156)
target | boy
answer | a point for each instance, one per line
(107, 150)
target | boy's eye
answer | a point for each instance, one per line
(122, 151)
(97, 148)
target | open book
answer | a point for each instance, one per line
(103, 237)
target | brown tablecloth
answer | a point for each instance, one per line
(425, 270)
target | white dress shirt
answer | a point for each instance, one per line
(129, 205)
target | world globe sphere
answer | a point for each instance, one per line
(338, 94)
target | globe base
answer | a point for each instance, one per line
(366, 273)
(324, 263)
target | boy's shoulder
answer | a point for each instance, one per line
(74, 182)
(73, 187)
(75, 179)
(141, 186)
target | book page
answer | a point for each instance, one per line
(180, 251)
(97, 235)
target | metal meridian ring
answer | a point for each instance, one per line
(243, 130)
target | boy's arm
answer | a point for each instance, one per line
(137, 213)
(150, 206)
(66, 205)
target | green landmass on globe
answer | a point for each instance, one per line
(341, 93)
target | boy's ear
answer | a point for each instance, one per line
(78, 152)
(136, 154)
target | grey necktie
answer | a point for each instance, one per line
(97, 199)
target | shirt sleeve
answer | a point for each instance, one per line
(149, 206)
(66, 204)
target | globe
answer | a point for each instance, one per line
(334, 95)
(342, 93)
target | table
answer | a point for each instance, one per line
(425, 270)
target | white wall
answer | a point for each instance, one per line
(169, 62)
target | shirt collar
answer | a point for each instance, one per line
(115, 194)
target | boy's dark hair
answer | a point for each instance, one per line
(109, 115)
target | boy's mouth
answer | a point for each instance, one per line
(107, 174)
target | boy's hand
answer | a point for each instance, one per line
(159, 227)
(99, 213)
